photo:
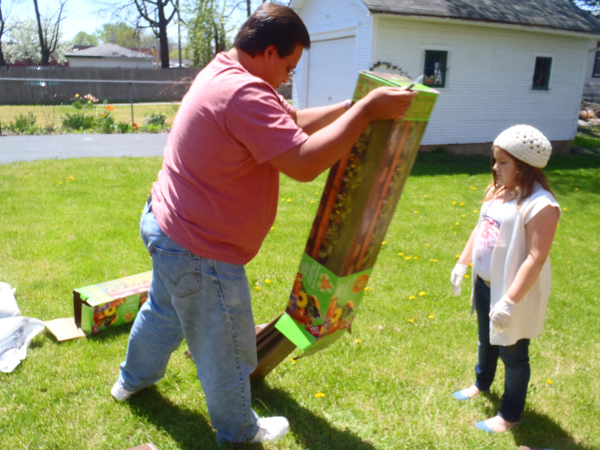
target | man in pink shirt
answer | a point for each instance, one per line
(214, 203)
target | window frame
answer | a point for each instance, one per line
(596, 68)
(541, 73)
(435, 55)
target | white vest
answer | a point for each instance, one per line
(508, 255)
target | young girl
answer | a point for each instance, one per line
(509, 250)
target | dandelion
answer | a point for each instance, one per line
(415, 257)
(427, 245)
(474, 210)
(425, 195)
(457, 223)
(454, 202)
(319, 395)
(576, 189)
(462, 203)
(416, 212)
(411, 297)
(366, 289)
(289, 199)
(407, 257)
(400, 254)
(467, 276)
(464, 215)
(72, 178)
(564, 209)
(293, 360)
(411, 320)
(267, 281)
(257, 288)
(458, 256)
(272, 228)
(357, 341)
(549, 381)
(430, 316)
(312, 201)
(383, 243)
(422, 293)
(316, 192)
(470, 264)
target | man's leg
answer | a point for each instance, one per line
(219, 329)
(156, 332)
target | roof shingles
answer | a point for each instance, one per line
(556, 14)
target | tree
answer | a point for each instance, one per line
(156, 14)
(124, 35)
(83, 38)
(25, 43)
(4, 29)
(207, 30)
(48, 31)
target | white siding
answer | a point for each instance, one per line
(332, 20)
(489, 79)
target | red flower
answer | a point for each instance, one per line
(135, 126)
(110, 108)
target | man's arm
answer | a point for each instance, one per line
(327, 145)
(313, 119)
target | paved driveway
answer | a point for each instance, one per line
(63, 146)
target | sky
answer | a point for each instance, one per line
(79, 15)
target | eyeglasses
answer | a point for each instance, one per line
(292, 70)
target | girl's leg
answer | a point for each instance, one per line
(487, 354)
(518, 372)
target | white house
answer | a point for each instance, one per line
(109, 55)
(496, 63)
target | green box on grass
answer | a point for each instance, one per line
(111, 303)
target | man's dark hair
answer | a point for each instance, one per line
(272, 24)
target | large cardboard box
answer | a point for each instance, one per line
(111, 303)
(356, 208)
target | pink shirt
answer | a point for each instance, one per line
(216, 193)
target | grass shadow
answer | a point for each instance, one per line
(188, 428)
(536, 430)
(312, 432)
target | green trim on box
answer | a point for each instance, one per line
(290, 329)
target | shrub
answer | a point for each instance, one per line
(155, 120)
(105, 123)
(123, 127)
(25, 124)
(78, 121)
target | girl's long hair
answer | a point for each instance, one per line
(525, 179)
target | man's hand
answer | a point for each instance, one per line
(457, 276)
(386, 103)
(501, 314)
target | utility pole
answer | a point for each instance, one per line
(179, 33)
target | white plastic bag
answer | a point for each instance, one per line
(15, 335)
(8, 303)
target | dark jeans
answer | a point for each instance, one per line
(515, 358)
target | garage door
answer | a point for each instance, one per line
(332, 71)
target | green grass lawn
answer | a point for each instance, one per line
(70, 223)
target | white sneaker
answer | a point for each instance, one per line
(120, 393)
(271, 429)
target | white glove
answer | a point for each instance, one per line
(501, 314)
(457, 276)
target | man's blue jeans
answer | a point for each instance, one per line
(207, 302)
(515, 358)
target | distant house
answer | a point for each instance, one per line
(109, 55)
(495, 63)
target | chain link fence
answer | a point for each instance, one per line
(43, 100)
(37, 100)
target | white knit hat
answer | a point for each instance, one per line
(526, 144)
